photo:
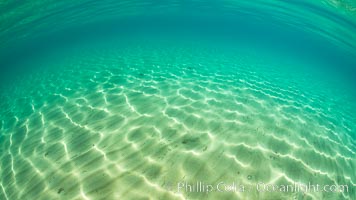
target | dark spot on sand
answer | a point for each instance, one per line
(272, 157)
(60, 190)
(190, 140)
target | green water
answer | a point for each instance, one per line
(177, 99)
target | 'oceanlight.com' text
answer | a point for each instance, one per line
(201, 187)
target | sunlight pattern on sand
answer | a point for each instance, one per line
(131, 124)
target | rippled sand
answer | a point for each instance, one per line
(133, 123)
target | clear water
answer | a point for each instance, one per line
(133, 99)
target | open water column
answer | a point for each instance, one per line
(178, 99)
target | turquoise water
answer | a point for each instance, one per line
(177, 99)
